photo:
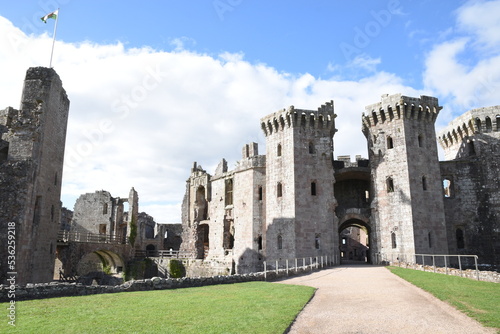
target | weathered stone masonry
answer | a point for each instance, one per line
(31, 162)
(296, 200)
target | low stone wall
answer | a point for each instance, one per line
(57, 289)
(486, 276)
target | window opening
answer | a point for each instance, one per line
(105, 209)
(424, 183)
(279, 189)
(259, 242)
(447, 184)
(313, 188)
(393, 240)
(260, 193)
(229, 192)
(102, 228)
(390, 143)
(149, 232)
(430, 239)
(420, 141)
(278, 150)
(317, 241)
(280, 242)
(459, 233)
(311, 148)
(390, 185)
(489, 126)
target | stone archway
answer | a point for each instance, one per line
(100, 261)
(355, 241)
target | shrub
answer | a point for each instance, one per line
(176, 269)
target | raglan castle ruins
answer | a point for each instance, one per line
(294, 201)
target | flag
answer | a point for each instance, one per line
(52, 15)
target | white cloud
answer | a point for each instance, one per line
(482, 18)
(465, 69)
(140, 118)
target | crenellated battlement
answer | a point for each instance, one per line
(397, 106)
(480, 120)
(321, 119)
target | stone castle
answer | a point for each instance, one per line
(297, 201)
(294, 202)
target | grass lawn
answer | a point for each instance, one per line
(479, 300)
(253, 307)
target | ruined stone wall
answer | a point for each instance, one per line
(92, 210)
(174, 236)
(31, 171)
(195, 212)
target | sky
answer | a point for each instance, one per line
(157, 85)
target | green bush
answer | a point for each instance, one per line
(176, 269)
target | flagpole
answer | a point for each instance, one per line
(54, 38)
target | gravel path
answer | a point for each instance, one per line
(370, 299)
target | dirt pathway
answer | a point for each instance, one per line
(370, 299)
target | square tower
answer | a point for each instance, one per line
(31, 165)
(300, 204)
(408, 204)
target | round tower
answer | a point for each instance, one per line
(407, 207)
(299, 182)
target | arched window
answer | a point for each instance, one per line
(279, 190)
(105, 209)
(149, 232)
(390, 185)
(313, 188)
(278, 150)
(498, 122)
(259, 242)
(280, 242)
(459, 233)
(489, 126)
(393, 240)
(390, 143)
(470, 148)
(478, 125)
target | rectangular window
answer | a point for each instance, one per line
(313, 188)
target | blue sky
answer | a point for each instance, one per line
(157, 85)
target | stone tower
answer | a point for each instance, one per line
(471, 145)
(31, 163)
(408, 198)
(300, 203)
